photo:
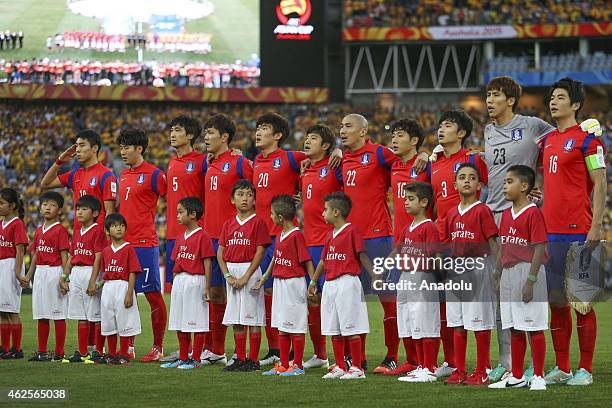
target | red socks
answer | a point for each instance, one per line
(419, 350)
(159, 317)
(338, 346)
(483, 350)
(429, 353)
(184, 340)
(255, 344)
(561, 332)
(43, 335)
(298, 341)
(363, 346)
(60, 336)
(412, 356)
(271, 332)
(112, 345)
(390, 328)
(198, 344)
(83, 331)
(284, 340)
(356, 349)
(219, 330)
(16, 331)
(99, 338)
(447, 335)
(518, 345)
(460, 349)
(5, 336)
(314, 328)
(538, 352)
(91, 333)
(586, 325)
(240, 344)
(124, 344)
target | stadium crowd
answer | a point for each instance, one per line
(31, 139)
(398, 13)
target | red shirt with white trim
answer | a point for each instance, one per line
(139, 189)
(318, 181)
(86, 243)
(49, 242)
(403, 174)
(290, 254)
(341, 252)
(118, 263)
(223, 172)
(12, 233)
(366, 181)
(240, 238)
(468, 230)
(518, 232)
(419, 241)
(189, 251)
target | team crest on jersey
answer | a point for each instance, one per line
(276, 164)
(413, 173)
(517, 134)
(189, 167)
(140, 179)
(323, 172)
(225, 168)
(365, 158)
(93, 181)
(569, 145)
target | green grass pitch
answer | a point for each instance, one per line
(234, 27)
(147, 385)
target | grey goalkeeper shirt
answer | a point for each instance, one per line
(509, 145)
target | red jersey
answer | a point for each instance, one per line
(418, 241)
(366, 181)
(223, 172)
(403, 174)
(442, 178)
(186, 177)
(567, 158)
(96, 180)
(518, 232)
(341, 252)
(468, 230)
(139, 189)
(86, 243)
(189, 251)
(12, 233)
(290, 254)
(118, 263)
(240, 238)
(318, 181)
(276, 174)
(48, 244)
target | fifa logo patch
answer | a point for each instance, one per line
(141, 179)
(276, 163)
(517, 134)
(225, 168)
(365, 158)
(457, 166)
(413, 173)
(323, 172)
(569, 145)
(93, 181)
(189, 167)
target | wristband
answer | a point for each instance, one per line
(65, 277)
(227, 275)
(99, 284)
(532, 278)
(312, 283)
(59, 162)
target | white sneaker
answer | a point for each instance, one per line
(422, 375)
(354, 373)
(537, 383)
(209, 358)
(337, 372)
(316, 362)
(231, 360)
(444, 370)
(410, 374)
(509, 382)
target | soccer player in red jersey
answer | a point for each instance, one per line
(471, 231)
(318, 181)
(140, 186)
(574, 169)
(91, 177)
(224, 170)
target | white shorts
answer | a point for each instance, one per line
(289, 305)
(244, 306)
(10, 287)
(418, 312)
(81, 306)
(116, 319)
(473, 308)
(343, 308)
(188, 308)
(48, 302)
(532, 316)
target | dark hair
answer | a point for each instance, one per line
(12, 197)
(462, 119)
(341, 202)
(112, 219)
(191, 125)
(223, 123)
(326, 134)
(92, 137)
(243, 185)
(471, 166)
(192, 205)
(410, 126)
(52, 196)
(422, 191)
(575, 90)
(89, 201)
(133, 137)
(508, 86)
(279, 124)
(524, 174)
(284, 206)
